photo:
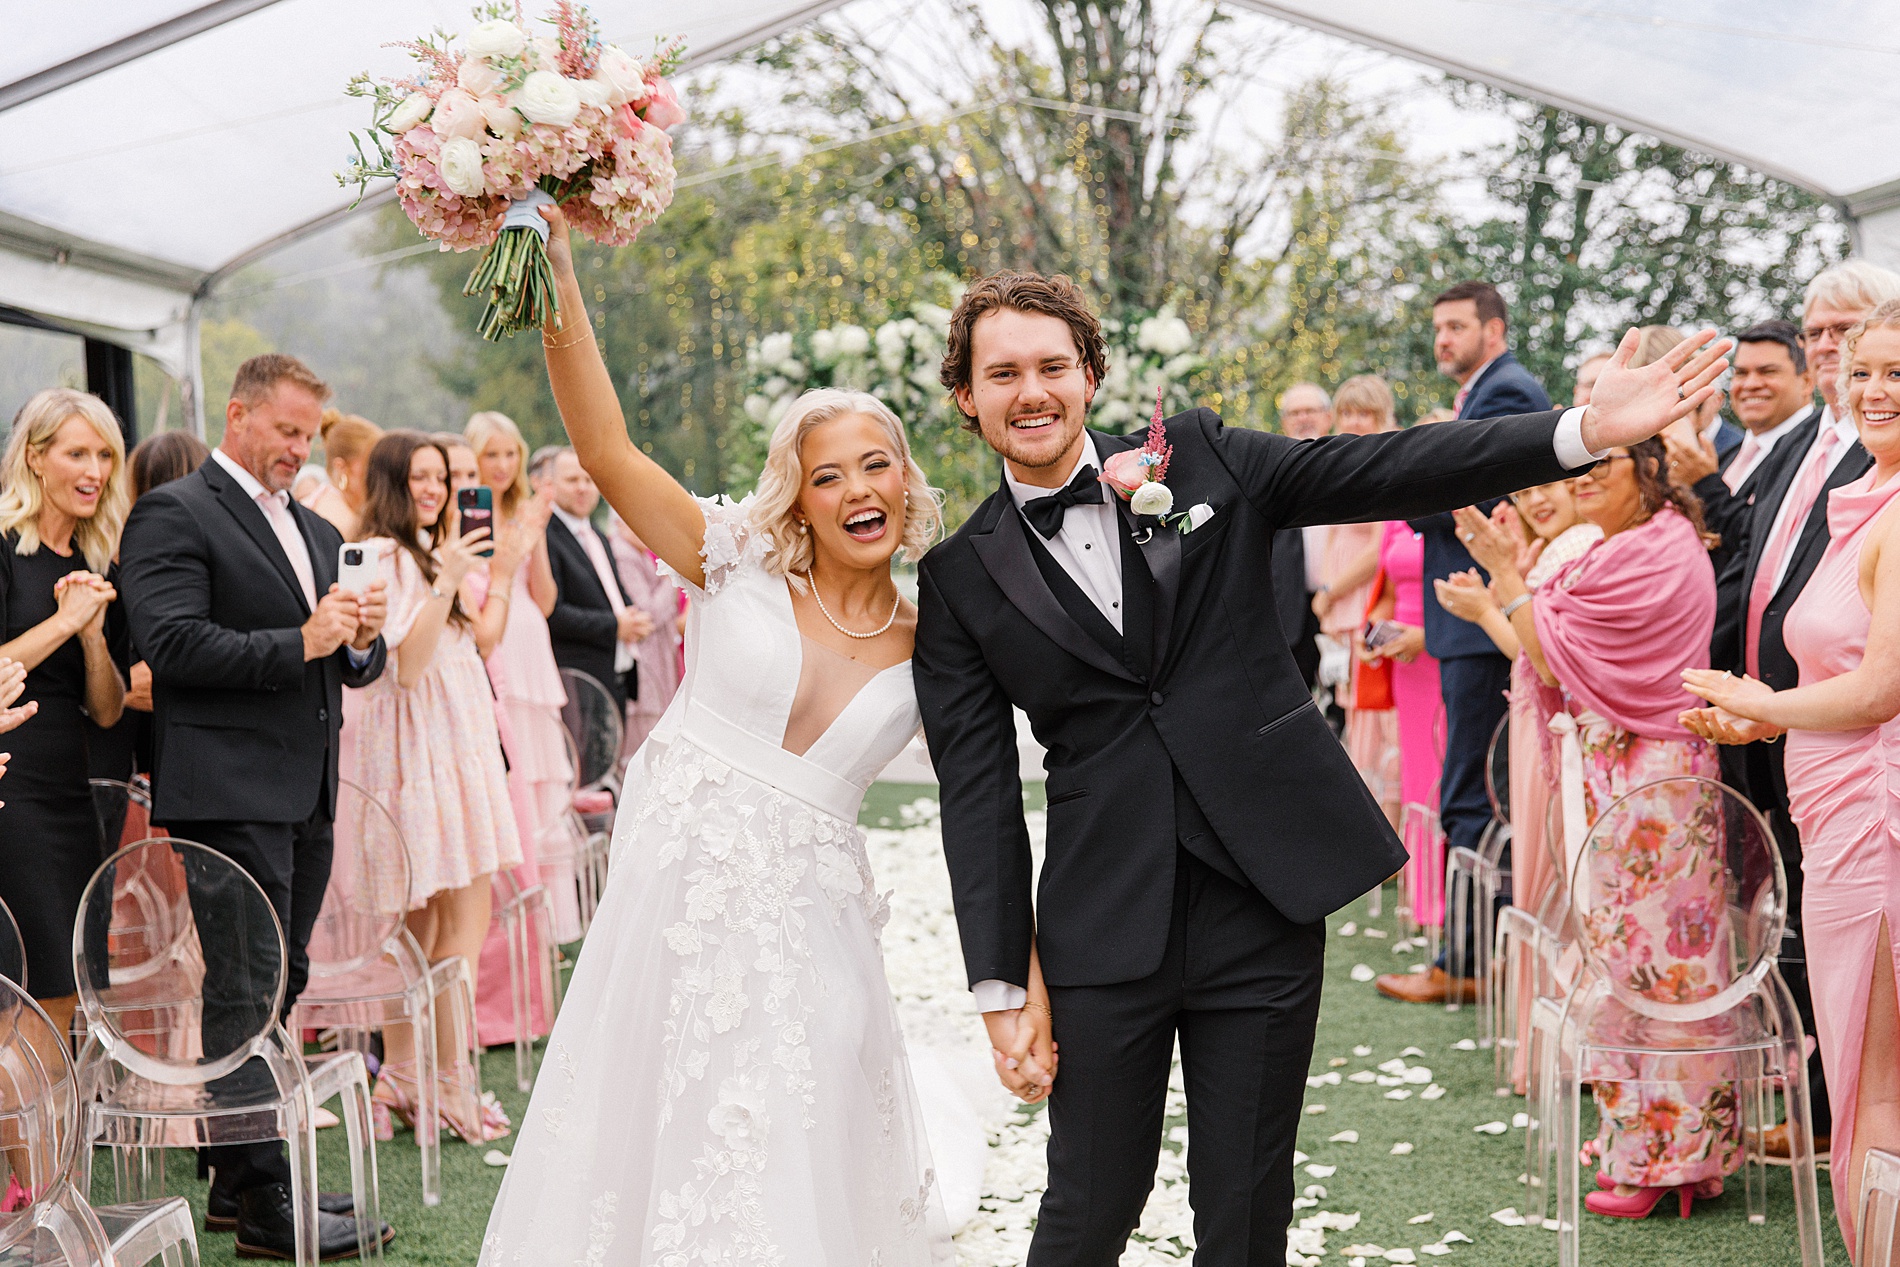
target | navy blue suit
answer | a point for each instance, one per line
(1473, 676)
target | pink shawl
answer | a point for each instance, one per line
(1620, 624)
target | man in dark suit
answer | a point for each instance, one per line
(1202, 821)
(1470, 340)
(230, 586)
(593, 626)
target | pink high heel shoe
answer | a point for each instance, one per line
(1640, 1203)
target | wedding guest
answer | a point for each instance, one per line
(1609, 636)
(347, 440)
(1305, 411)
(1470, 325)
(656, 657)
(61, 511)
(1586, 380)
(230, 589)
(594, 626)
(1553, 534)
(1842, 730)
(429, 750)
(1778, 542)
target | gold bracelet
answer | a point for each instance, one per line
(1040, 1007)
(551, 345)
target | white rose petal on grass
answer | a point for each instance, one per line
(1465, 1044)
(1401, 1093)
(1411, 1051)
(1321, 1171)
(1393, 1066)
(1520, 1120)
(1491, 1128)
(1377, 932)
(1348, 929)
(1314, 1191)
(1365, 1251)
(1508, 1216)
(1344, 1137)
(1299, 1157)
(1451, 1236)
(1388, 1080)
(1330, 1220)
(1421, 1218)
(1400, 1255)
(495, 1157)
(1362, 972)
(1152, 498)
(1432, 1092)
(1417, 1075)
(1362, 1051)
(1337, 1062)
(547, 97)
(1305, 1203)
(1314, 1110)
(1363, 1076)
(1402, 1149)
(499, 38)
(461, 167)
(1436, 1250)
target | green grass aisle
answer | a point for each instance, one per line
(1459, 1176)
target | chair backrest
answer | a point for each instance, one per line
(39, 1113)
(596, 724)
(124, 811)
(1418, 826)
(1497, 771)
(140, 956)
(1678, 900)
(368, 894)
(12, 949)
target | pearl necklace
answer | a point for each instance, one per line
(896, 601)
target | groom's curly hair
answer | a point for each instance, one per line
(1026, 292)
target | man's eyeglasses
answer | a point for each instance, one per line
(1814, 334)
(1602, 467)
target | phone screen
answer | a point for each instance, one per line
(477, 509)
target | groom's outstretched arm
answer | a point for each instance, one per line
(971, 731)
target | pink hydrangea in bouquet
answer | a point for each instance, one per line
(483, 136)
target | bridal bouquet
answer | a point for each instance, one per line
(481, 137)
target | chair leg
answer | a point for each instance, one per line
(1485, 885)
(521, 994)
(1375, 901)
(1569, 1115)
(364, 1186)
(303, 1187)
(1753, 1100)
(1793, 1061)
(1457, 900)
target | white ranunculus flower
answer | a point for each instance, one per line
(546, 97)
(415, 108)
(502, 119)
(775, 347)
(478, 78)
(853, 340)
(592, 92)
(461, 166)
(623, 78)
(458, 114)
(1152, 499)
(500, 38)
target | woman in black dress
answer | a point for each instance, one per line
(63, 504)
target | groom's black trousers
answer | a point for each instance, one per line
(1240, 985)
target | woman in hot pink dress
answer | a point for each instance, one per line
(1843, 764)
(1416, 694)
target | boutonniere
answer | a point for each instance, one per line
(1137, 477)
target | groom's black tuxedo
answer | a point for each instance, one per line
(1202, 818)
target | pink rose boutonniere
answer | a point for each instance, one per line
(1136, 476)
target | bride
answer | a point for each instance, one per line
(727, 1080)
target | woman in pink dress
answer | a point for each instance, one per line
(1842, 759)
(429, 750)
(1609, 636)
(1555, 534)
(1400, 611)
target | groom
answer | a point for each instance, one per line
(1202, 819)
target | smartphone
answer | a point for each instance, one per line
(477, 508)
(355, 568)
(1383, 632)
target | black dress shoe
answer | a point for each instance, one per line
(221, 1208)
(267, 1228)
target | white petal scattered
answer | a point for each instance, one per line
(1491, 1128)
(1402, 1149)
(1464, 1044)
(1520, 1120)
(1449, 1237)
(1507, 1216)
(1348, 929)
(1364, 1251)
(1363, 1076)
(1298, 1156)
(1362, 972)
(1330, 1220)
(1421, 1218)
(1304, 1203)
(1394, 1065)
(1389, 1080)
(1345, 1137)
(1315, 1191)
(1336, 1062)
(1411, 1051)
(1432, 1092)
(1436, 1250)
(1327, 1079)
(1551, 1225)
(1177, 1135)
(1357, 1260)
(1400, 1255)
(1419, 969)
(1321, 1171)
(1313, 1110)
(1376, 932)
(1402, 1093)
(1417, 1075)
(1362, 1051)
(495, 1157)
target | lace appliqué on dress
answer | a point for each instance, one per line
(731, 543)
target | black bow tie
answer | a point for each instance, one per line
(1045, 513)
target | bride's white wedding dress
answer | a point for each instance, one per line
(727, 1081)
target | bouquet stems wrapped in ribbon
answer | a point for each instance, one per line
(484, 136)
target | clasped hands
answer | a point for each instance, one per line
(1736, 702)
(343, 617)
(1023, 1047)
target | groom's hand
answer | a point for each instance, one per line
(1628, 406)
(1023, 1048)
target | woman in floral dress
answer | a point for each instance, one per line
(1609, 637)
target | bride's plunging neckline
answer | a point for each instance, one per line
(799, 720)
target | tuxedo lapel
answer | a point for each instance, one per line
(250, 517)
(1004, 553)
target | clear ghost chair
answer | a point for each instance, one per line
(596, 723)
(589, 822)
(367, 972)
(1475, 877)
(12, 949)
(179, 960)
(1702, 1004)
(1874, 1222)
(534, 962)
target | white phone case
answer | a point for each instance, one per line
(355, 577)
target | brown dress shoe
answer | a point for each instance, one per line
(1427, 987)
(1775, 1149)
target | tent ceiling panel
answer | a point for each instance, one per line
(77, 27)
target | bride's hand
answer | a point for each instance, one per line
(1018, 1048)
(560, 249)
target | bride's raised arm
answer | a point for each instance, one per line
(651, 502)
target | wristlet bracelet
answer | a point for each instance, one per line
(1514, 604)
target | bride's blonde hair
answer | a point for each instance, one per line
(789, 551)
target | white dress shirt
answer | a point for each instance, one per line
(1846, 437)
(1752, 456)
(278, 516)
(1088, 548)
(596, 551)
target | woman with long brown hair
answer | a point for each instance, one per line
(429, 750)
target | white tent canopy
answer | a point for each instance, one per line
(149, 148)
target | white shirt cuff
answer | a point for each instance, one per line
(1569, 440)
(998, 996)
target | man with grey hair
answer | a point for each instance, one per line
(1780, 539)
(1306, 411)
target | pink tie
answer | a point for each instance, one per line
(1801, 499)
(294, 548)
(1458, 401)
(1744, 462)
